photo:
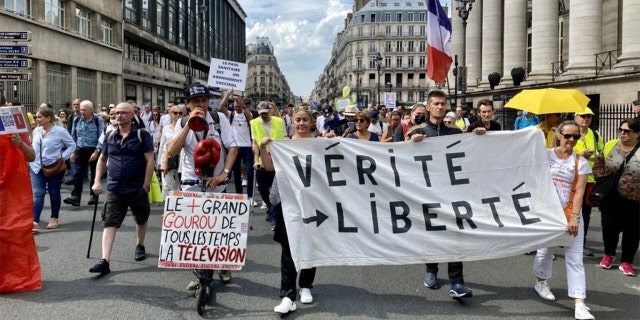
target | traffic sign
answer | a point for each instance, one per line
(17, 50)
(15, 35)
(15, 76)
(15, 63)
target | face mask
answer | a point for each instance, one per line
(419, 119)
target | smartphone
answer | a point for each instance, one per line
(352, 126)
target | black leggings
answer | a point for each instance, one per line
(621, 215)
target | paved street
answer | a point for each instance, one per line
(139, 290)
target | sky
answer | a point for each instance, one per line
(301, 32)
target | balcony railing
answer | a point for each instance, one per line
(606, 60)
(557, 69)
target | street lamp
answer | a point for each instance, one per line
(201, 9)
(358, 87)
(464, 8)
(378, 65)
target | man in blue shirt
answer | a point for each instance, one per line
(86, 130)
(130, 154)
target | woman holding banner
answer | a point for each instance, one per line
(303, 121)
(362, 121)
(565, 164)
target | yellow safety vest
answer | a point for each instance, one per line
(589, 142)
(257, 130)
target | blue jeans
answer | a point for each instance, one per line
(41, 185)
(245, 154)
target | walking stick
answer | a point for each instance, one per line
(253, 187)
(93, 222)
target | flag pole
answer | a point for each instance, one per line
(443, 57)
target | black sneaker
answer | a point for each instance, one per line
(93, 200)
(101, 267)
(68, 183)
(140, 253)
(74, 201)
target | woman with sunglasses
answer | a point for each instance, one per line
(170, 179)
(621, 210)
(303, 121)
(564, 163)
(362, 121)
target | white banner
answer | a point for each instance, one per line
(390, 100)
(204, 231)
(452, 198)
(12, 120)
(227, 74)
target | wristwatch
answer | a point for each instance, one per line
(226, 170)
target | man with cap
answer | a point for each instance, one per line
(265, 126)
(589, 146)
(348, 125)
(197, 99)
(636, 109)
(548, 124)
(376, 126)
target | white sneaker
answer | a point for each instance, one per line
(543, 290)
(305, 295)
(263, 206)
(285, 306)
(255, 202)
(244, 182)
(583, 312)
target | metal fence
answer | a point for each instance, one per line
(606, 121)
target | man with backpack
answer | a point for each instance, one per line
(129, 152)
(217, 128)
(86, 130)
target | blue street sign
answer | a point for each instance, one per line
(15, 76)
(15, 35)
(10, 49)
(15, 63)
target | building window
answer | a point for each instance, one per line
(57, 84)
(411, 31)
(108, 88)
(359, 62)
(359, 31)
(422, 17)
(387, 62)
(399, 62)
(398, 46)
(399, 17)
(410, 46)
(387, 46)
(423, 46)
(18, 6)
(372, 62)
(410, 96)
(160, 15)
(146, 15)
(423, 31)
(106, 31)
(130, 11)
(160, 99)
(372, 31)
(410, 62)
(410, 16)
(83, 22)
(130, 92)
(372, 46)
(373, 18)
(387, 17)
(387, 30)
(86, 84)
(146, 95)
(422, 63)
(399, 31)
(54, 12)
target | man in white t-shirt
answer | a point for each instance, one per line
(375, 126)
(197, 99)
(165, 120)
(240, 118)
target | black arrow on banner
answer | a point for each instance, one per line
(319, 218)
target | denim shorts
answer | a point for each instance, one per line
(117, 204)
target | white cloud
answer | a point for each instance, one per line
(302, 33)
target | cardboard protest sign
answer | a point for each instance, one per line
(452, 198)
(227, 74)
(204, 231)
(12, 120)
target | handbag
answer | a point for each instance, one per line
(54, 169)
(607, 185)
(568, 209)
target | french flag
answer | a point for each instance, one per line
(438, 49)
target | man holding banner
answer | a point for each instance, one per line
(197, 100)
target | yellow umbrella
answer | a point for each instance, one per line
(550, 100)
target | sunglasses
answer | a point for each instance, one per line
(569, 136)
(625, 131)
(448, 122)
(177, 113)
(302, 108)
(360, 120)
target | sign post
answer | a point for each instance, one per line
(10, 58)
